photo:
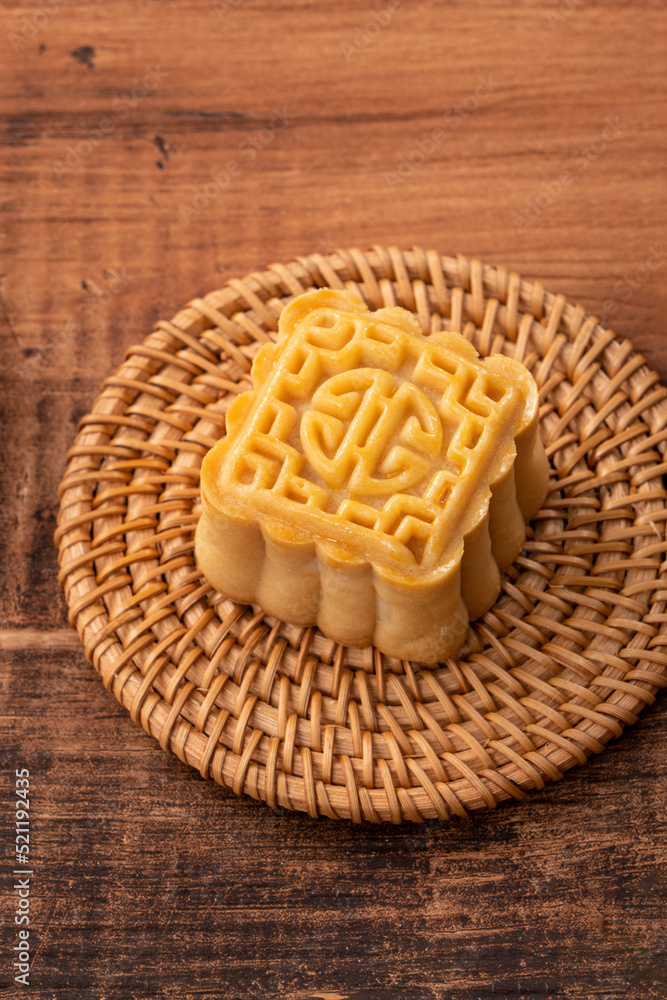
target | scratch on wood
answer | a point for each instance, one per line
(17, 639)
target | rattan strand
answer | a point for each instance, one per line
(571, 653)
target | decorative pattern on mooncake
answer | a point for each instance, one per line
(375, 481)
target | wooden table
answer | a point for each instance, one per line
(151, 152)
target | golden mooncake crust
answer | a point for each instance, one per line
(375, 481)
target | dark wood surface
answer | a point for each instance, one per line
(540, 130)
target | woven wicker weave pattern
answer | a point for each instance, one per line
(569, 655)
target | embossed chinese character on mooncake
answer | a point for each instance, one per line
(375, 481)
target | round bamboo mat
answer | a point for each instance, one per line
(570, 654)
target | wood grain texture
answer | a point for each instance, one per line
(447, 127)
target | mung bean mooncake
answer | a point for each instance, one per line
(374, 481)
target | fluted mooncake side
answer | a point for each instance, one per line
(375, 481)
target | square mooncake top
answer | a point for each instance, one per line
(363, 434)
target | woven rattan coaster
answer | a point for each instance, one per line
(569, 655)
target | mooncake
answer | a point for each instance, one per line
(375, 481)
